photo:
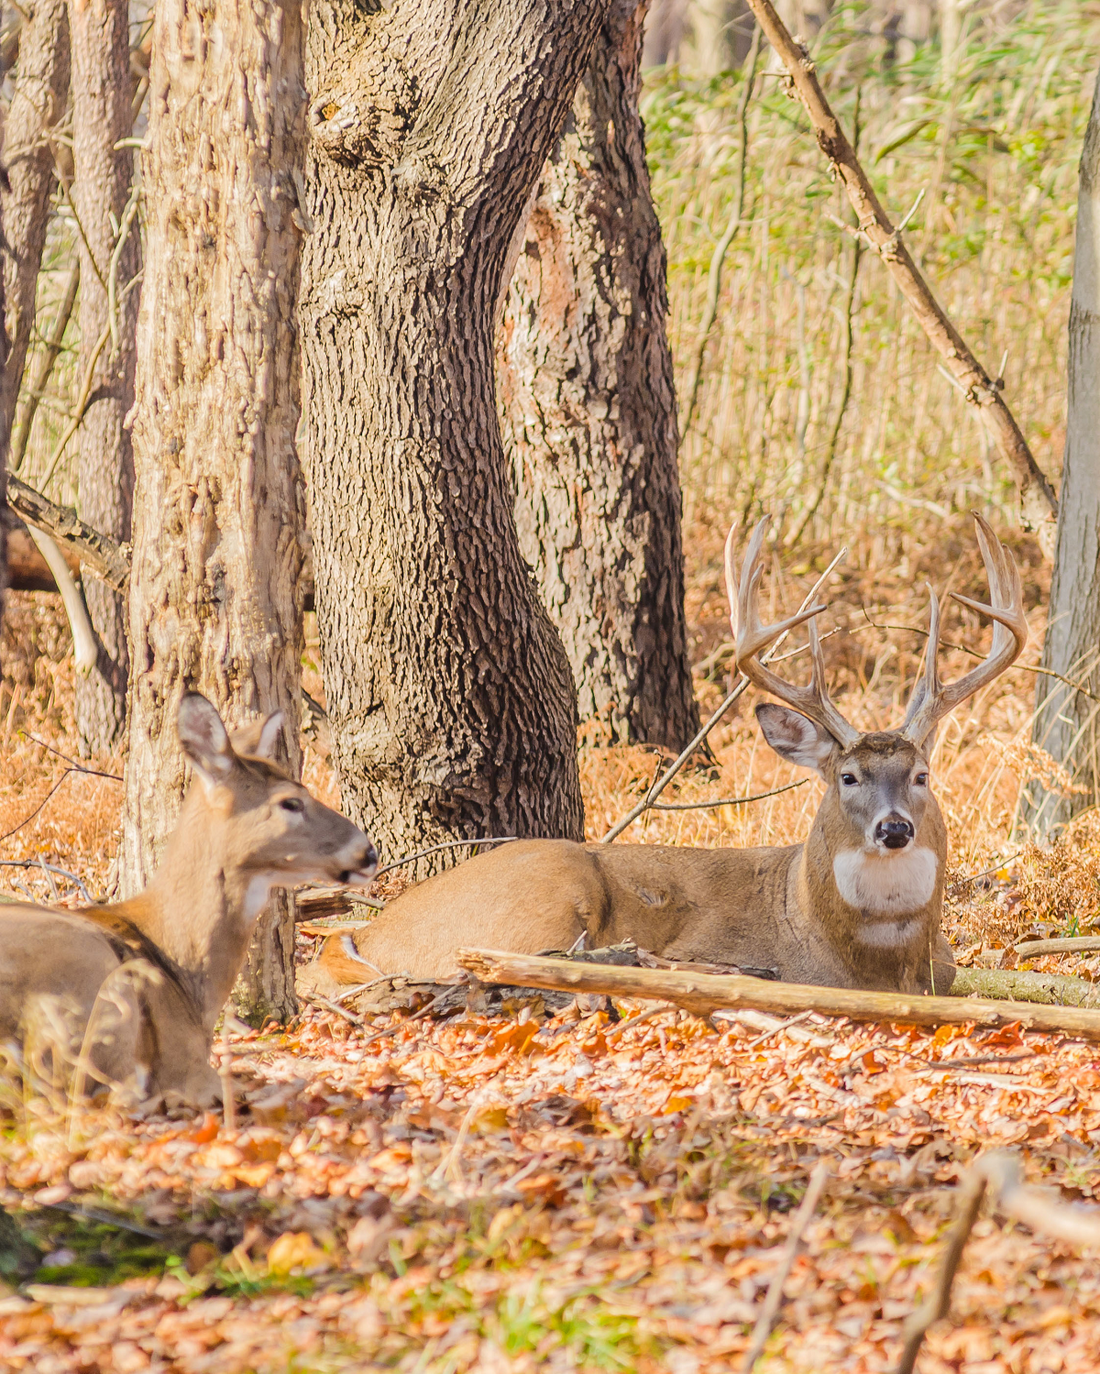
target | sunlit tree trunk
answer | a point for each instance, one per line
(449, 692)
(110, 256)
(40, 86)
(218, 511)
(588, 410)
(40, 92)
(1067, 721)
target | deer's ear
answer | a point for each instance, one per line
(271, 734)
(795, 737)
(204, 739)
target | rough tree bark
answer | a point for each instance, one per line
(40, 88)
(110, 257)
(218, 511)
(1067, 722)
(449, 693)
(588, 409)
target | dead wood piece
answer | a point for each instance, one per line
(103, 557)
(998, 1174)
(706, 993)
(1038, 504)
(770, 1307)
(1053, 989)
(1077, 944)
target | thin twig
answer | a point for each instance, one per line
(663, 781)
(939, 1300)
(833, 444)
(50, 868)
(79, 410)
(615, 1031)
(437, 848)
(128, 216)
(726, 801)
(1003, 863)
(45, 368)
(319, 1001)
(718, 258)
(74, 764)
(770, 1308)
(774, 1030)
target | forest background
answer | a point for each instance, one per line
(819, 400)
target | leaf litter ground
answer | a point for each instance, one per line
(535, 1189)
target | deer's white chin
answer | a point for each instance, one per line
(886, 884)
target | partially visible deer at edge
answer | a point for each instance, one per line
(165, 960)
(857, 905)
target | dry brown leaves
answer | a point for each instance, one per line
(525, 1192)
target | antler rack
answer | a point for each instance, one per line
(752, 637)
(931, 700)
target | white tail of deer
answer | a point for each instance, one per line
(857, 905)
(245, 828)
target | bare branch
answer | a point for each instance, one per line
(102, 557)
(1038, 504)
(770, 1308)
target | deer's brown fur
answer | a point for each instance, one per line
(163, 962)
(857, 905)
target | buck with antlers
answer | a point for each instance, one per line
(140, 984)
(857, 905)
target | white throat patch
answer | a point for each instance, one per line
(887, 884)
(256, 894)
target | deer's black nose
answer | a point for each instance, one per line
(894, 833)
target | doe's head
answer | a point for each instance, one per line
(272, 826)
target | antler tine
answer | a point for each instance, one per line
(752, 638)
(932, 700)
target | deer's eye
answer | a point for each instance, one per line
(294, 804)
(848, 779)
(921, 780)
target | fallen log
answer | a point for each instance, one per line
(704, 994)
(1022, 985)
(1073, 944)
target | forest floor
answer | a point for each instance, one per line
(538, 1189)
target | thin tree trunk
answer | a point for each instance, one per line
(218, 505)
(588, 410)
(1067, 722)
(40, 87)
(450, 695)
(102, 115)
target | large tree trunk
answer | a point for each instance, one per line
(218, 513)
(40, 88)
(1067, 722)
(102, 96)
(450, 695)
(588, 410)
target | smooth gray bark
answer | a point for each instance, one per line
(1067, 721)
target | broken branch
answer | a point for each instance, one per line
(704, 993)
(1038, 504)
(105, 559)
(998, 1174)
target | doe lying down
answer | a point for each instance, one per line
(857, 905)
